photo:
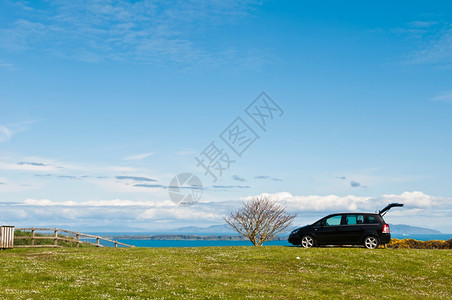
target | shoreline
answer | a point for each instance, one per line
(186, 237)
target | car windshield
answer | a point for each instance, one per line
(333, 221)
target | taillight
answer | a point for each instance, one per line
(385, 228)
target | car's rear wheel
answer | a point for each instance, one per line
(371, 242)
(307, 241)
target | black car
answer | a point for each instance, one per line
(368, 229)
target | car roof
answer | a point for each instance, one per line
(352, 213)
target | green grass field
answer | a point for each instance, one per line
(225, 273)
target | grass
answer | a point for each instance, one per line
(225, 273)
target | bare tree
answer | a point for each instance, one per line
(260, 219)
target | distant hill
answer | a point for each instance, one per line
(186, 237)
(407, 229)
(211, 230)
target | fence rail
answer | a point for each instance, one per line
(55, 237)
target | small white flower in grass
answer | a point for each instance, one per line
(297, 257)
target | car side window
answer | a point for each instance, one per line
(359, 219)
(354, 219)
(371, 220)
(351, 220)
(333, 221)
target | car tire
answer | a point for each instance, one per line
(371, 242)
(307, 241)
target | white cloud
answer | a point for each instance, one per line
(33, 163)
(21, 34)
(7, 131)
(9, 187)
(444, 97)
(159, 32)
(316, 202)
(420, 210)
(138, 156)
(99, 203)
(114, 213)
(422, 24)
(6, 65)
(179, 213)
(437, 49)
(63, 180)
(412, 200)
(5, 134)
(24, 166)
(186, 152)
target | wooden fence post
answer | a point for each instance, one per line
(98, 241)
(6, 237)
(77, 240)
(55, 240)
(33, 236)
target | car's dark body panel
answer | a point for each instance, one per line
(352, 230)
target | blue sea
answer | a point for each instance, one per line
(196, 243)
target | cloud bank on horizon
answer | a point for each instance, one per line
(166, 215)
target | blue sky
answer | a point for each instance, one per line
(104, 102)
